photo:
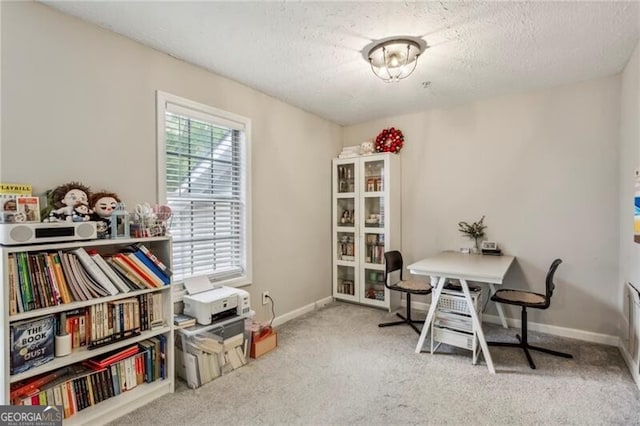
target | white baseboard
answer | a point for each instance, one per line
(572, 333)
(281, 319)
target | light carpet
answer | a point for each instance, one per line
(336, 366)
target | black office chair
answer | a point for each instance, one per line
(527, 299)
(393, 262)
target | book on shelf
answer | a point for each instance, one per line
(94, 271)
(165, 270)
(63, 286)
(91, 288)
(15, 298)
(105, 360)
(148, 270)
(132, 280)
(26, 290)
(149, 266)
(127, 264)
(31, 343)
(108, 271)
(77, 288)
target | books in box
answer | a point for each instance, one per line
(32, 343)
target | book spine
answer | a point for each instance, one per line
(152, 267)
(127, 263)
(63, 270)
(115, 378)
(52, 278)
(15, 299)
(154, 259)
(126, 266)
(108, 271)
(33, 279)
(129, 278)
(74, 285)
(94, 271)
(26, 281)
(144, 270)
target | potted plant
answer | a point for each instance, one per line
(475, 231)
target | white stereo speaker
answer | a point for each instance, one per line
(30, 233)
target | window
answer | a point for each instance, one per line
(204, 176)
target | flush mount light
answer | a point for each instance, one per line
(394, 59)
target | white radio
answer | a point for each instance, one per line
(12, 234)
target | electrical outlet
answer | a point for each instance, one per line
(265, 299)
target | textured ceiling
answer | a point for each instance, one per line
(309, 54)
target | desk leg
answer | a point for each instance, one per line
(435, 295)
(477, 326)
(503, 320)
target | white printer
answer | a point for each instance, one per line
(208, 303)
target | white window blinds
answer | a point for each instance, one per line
(206, 187)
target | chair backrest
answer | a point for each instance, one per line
(392, 263)
(549, 281)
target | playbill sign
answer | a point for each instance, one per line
(31, 415)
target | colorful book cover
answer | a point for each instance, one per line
(31, 343)
(29, 208)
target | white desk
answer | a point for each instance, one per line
(463, 267)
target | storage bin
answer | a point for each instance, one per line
(204, 353)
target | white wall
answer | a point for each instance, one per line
(629, 162)
(78, 103)
(543, 168)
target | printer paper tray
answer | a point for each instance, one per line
(191, 331)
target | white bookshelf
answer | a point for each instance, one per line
(127, 401)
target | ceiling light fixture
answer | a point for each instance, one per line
(394, 59)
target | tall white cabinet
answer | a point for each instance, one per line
(366, 223)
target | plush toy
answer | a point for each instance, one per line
(102, 205)
(64, 200)
(81, 213)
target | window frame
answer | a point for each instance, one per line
(223, 118)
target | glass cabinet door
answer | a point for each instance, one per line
(346, 280)
(374, 284)
(346, 178)
(346, 243)
(373, 176)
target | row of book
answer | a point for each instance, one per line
(83, 385)
(111, 321)
(43, 279)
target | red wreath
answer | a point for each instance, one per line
(390, 140)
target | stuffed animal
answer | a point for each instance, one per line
(81, 213)
(63, 200)
(102, 204)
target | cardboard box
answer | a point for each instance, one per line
(261, 343)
